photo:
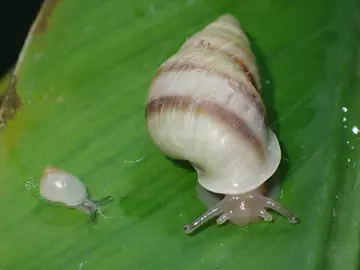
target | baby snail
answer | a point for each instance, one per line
(58, 186)
(204, 106)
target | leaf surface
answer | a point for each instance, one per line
(83, 82)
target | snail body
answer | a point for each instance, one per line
(204, 106)
(58, 186)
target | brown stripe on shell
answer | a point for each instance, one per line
(252, 97)
(246, 71)
(224, 116)
(241, 64)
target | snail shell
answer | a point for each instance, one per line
(202, 97)
(204, 106)
(58, 186)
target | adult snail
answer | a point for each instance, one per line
(204, 106)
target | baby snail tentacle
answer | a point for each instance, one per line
(58, 186)
(92, 206)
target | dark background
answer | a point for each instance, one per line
(15, 21)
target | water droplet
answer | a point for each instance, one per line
(82, 264)
(344, 119)
(355, 130)
(344, 109)
(135, 161)
(30, 184)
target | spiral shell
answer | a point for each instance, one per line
(204, 106)
(61, 187)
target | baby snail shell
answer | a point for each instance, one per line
(204, 106)
(58, 186)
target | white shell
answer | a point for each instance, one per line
(226, 160)
(61, 187)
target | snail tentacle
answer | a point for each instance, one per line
(92, 215)
(271, 204)
(205, 217)
(103, 201)
(241, 210)
(223, 218)
(266, 216)
(91, 206)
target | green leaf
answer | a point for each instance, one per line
(83, 82)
